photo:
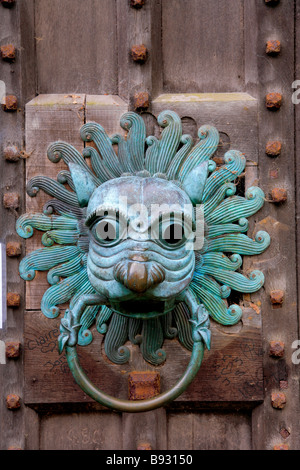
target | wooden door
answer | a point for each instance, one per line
(212, 63)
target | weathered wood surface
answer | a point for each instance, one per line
(231, 371)
(265, 74)
(81, 40)
(202, 45)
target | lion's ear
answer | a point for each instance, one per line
(194, 182)
(83, 182)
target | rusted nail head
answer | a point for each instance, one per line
(13, 249)
(144, 446)
(8, 3)
(13, 300)
(274, 174)
(11, 200)
(281, 447)
(274, 101)
(11, 154)
(13, 402)
(10, 103)
(8, 52)
(137, 3)
(141, 101)
(139, 53)
(276, 349)
(12, 349)
(14, 448)
(278, 400)
(143, 385)
(279, 195)
(277, 297)
(273, 148)
(284, 433)
(273, 47)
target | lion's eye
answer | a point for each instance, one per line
(173, 233)
(107, 231)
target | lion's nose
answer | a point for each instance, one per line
(139, 276)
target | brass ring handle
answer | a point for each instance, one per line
(138, 406)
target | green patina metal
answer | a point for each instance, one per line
(127, 273)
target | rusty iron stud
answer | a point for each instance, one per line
(13, 300)
(8, 52)
(279, 195)
(281, 447)
(273, 47)
(143, 385)
(273, 148)
(11, 154)
(13, 402)
(139, 53)
(144, 446)
(8, 3)
(277, 297)
(13, 249)
(141, 101)
(274, 101)
(14, 448)
(11, 200)
(278, 400)
(276, 349)
(12, 349)
(137, 3)
(10, 103)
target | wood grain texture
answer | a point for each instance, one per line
(209, 431)
(266, 74)
(48, 118)
(203, 45)
(231, 371)
(80, 38)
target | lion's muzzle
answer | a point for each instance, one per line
(138, 274)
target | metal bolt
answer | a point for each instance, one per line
(12, 349)
(143, 385)
(273, 148)
(139, 53)
(13, 402)
(10, 103)
(8, 3)
(281, 447)
(276, 297)
(141, 101)
(13, 300)
(279, 195)
(278, 400)
(11, 200)
(13, 249)
(273, 101)
(276, 349)
(11, 154)
(8, 52)
(137, 3)
(273, 47)
(144, 446)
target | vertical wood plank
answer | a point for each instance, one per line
(203, 45)
(136, 27)
(80, 38)
(265, 74)
(145, 428)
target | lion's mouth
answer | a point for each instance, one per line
(142, 309)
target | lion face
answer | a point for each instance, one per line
(140, 256)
